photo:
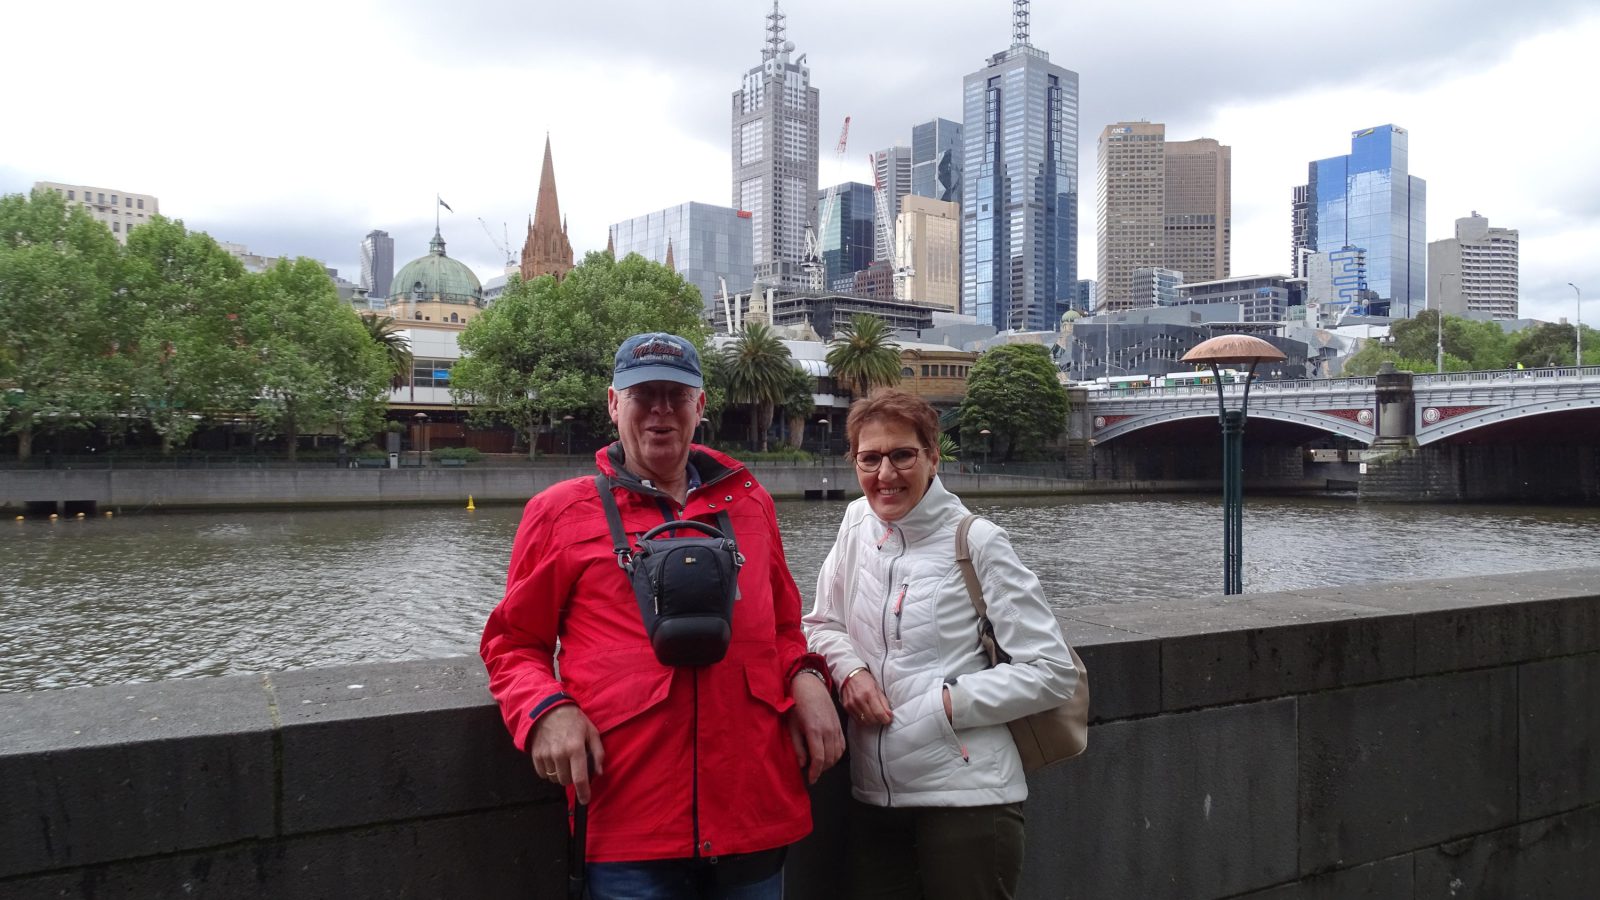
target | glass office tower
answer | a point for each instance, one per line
(846, 241)
(936, 160)
(1019, 197)
(710, 245)
(1370, 201)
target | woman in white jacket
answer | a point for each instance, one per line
(937, 783)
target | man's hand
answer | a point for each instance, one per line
(814, 726)
(564, 742)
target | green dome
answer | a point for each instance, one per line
(436, 276)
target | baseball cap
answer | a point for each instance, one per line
(656, 356)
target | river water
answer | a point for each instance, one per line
(138, 598)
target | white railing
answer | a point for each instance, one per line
(1563, 373)
(1306, 385)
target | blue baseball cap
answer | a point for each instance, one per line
(656, 356)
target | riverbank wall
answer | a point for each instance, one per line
(1410, 740)
(68, 491)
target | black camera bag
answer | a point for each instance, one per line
(685, 586)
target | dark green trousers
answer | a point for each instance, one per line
(935, 852)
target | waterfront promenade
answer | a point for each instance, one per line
(1422, 739)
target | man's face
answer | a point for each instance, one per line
(656, 421)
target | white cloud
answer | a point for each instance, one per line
(297, 127)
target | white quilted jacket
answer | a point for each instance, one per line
(890, 597)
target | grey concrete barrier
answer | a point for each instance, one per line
(1419, 740)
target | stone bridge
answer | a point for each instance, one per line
(1443, 406)
(1528, 434)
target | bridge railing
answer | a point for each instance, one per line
(1303, 385)
(1501, 375)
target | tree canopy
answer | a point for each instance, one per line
(545, 348)
(1471, 345)
(865, 355)
(1014, 392)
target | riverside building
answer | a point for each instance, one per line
(1485, 267)
(118, 210)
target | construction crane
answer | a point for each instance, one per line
(880, 199)
(503, 245)
(813, 261)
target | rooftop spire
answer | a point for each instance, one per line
(1019, 23)
(436, 246)
(547, 212)
(774, 32)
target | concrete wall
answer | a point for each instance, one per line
(1533, 473)
(1416, 740)
(141, 490)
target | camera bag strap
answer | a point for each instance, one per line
(624, 550)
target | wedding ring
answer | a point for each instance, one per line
(551, 774)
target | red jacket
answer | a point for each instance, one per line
(697, 761)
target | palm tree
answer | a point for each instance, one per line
(756, 365)
(385, 332)
(865, 355)
(797, 400)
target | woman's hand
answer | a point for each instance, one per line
(864, 700)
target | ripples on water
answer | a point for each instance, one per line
(102, 601)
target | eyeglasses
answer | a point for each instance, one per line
(649, 398)
(900, 457)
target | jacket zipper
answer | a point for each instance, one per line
(883, 766)
(899, 606)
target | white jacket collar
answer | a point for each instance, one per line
(937, 509)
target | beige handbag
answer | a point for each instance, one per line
(1044, 737)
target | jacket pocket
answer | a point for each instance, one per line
(625, 695)
(766, 684)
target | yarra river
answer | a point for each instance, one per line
(138, 598)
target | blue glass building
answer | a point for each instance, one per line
(846, 241)
(936, 160)
(1019, 195)
(1370, 201)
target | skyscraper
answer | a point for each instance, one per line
(1198, 223)
(846, 240)
(892, 169)
(377, 263)
(928, 246)
(1160, 204)
(1019, 196)
(1130, 203)
(1370, 201)
(936, 160)
(775, 157)
(1475, 271)
(708, 244)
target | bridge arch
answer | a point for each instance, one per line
(1320, 421)
(1492, 415)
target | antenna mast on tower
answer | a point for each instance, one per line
(1019, 23)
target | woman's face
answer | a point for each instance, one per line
(893, 492)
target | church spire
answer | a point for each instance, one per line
(547, 250)
(670, 266)
(611, 244)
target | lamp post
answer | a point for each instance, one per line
(827, 432)
(1577, 347)
(1233, 349)
(416, 442)
(986, 439)
(567, 421)
(1438, 364)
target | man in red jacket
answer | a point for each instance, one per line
(694, 777)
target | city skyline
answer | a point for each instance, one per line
(1471, 86)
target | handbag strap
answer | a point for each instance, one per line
(969, 574)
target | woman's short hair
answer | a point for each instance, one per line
(893, 406)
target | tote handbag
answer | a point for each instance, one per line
(1055, 734)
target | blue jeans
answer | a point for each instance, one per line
(673, 879)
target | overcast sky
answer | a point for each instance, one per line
(296, 127)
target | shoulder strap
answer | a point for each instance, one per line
(619, 538)
(968, 573)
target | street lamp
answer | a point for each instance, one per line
(985, 433)
(1577, 351)
(827, 432)
(567, 420)
(416, 442)
(1438, 365)
(1233, 349)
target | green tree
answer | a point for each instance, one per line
(1013, 390)
(317, 367)
(1545, 344)
(864, 355)
(797, 401)
(757, 365)
(185, 314)
(385, 332)
(60, 280)
(545, 349)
